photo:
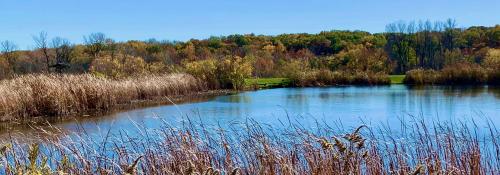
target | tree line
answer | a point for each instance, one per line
(404, 46)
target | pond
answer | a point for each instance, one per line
(347, 105)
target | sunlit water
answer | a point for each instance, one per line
(349, 106)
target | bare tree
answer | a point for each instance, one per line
(41, 42)
(411, 28)
(428, 26)
(7, 50)
(450, 24)
(96, 42)
(391, 28)
(449, 34)
(420, 26)
(438, 26)
(401, 26)
(63, 49)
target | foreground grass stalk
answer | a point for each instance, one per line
(253, 148)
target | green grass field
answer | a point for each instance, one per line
(397, 79)
(263, 83)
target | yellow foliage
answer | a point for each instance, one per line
(361, 58)
(230, 71)
(492, 59)
(158, 67)
(204, 69)
(121, 66)
(269, 48)
(234, 70)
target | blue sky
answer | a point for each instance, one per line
(185, 19)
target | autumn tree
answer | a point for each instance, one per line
(233, 71)
(41, 43)
(205, 70)
(63, 49)
(95, 44)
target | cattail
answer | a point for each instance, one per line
(33, 154)
(190, 168)
(417, 170)
(325, 144)
(339, 144)
(360, 144)
(236, 171)
(208, 171)
(4, 149)
(365, 154)
(131, 170)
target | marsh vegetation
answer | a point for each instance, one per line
(29, 96)
(254, 148)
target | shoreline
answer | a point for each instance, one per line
(198, 96)
(54, 95)
(134, 104)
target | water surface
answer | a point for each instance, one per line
(349, 106)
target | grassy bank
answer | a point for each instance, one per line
(252, 148)
(264, 83)
(30, 96)
(397, 79)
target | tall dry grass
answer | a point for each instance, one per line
(59, 95)
(455, 74)
(253, 148)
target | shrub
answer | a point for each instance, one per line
(119, 67)
(421, 76)
(325, 76)
(463, 73)
(309, 78)
(105, 67)
(296, 71)
(492, 59)
(205, 70)
(322, 77)
(340, 78)
(264, 66)
(494, 76)
(233, 71)
(359, 78)
(229, 72)
(492, 64)
(369, 78)
(379, 78)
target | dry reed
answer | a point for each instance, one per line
(253, 148)
(30, 96)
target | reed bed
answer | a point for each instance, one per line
(457, 74)
(29, 96)
(252, 148)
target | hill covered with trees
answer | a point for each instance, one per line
(451, 55)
